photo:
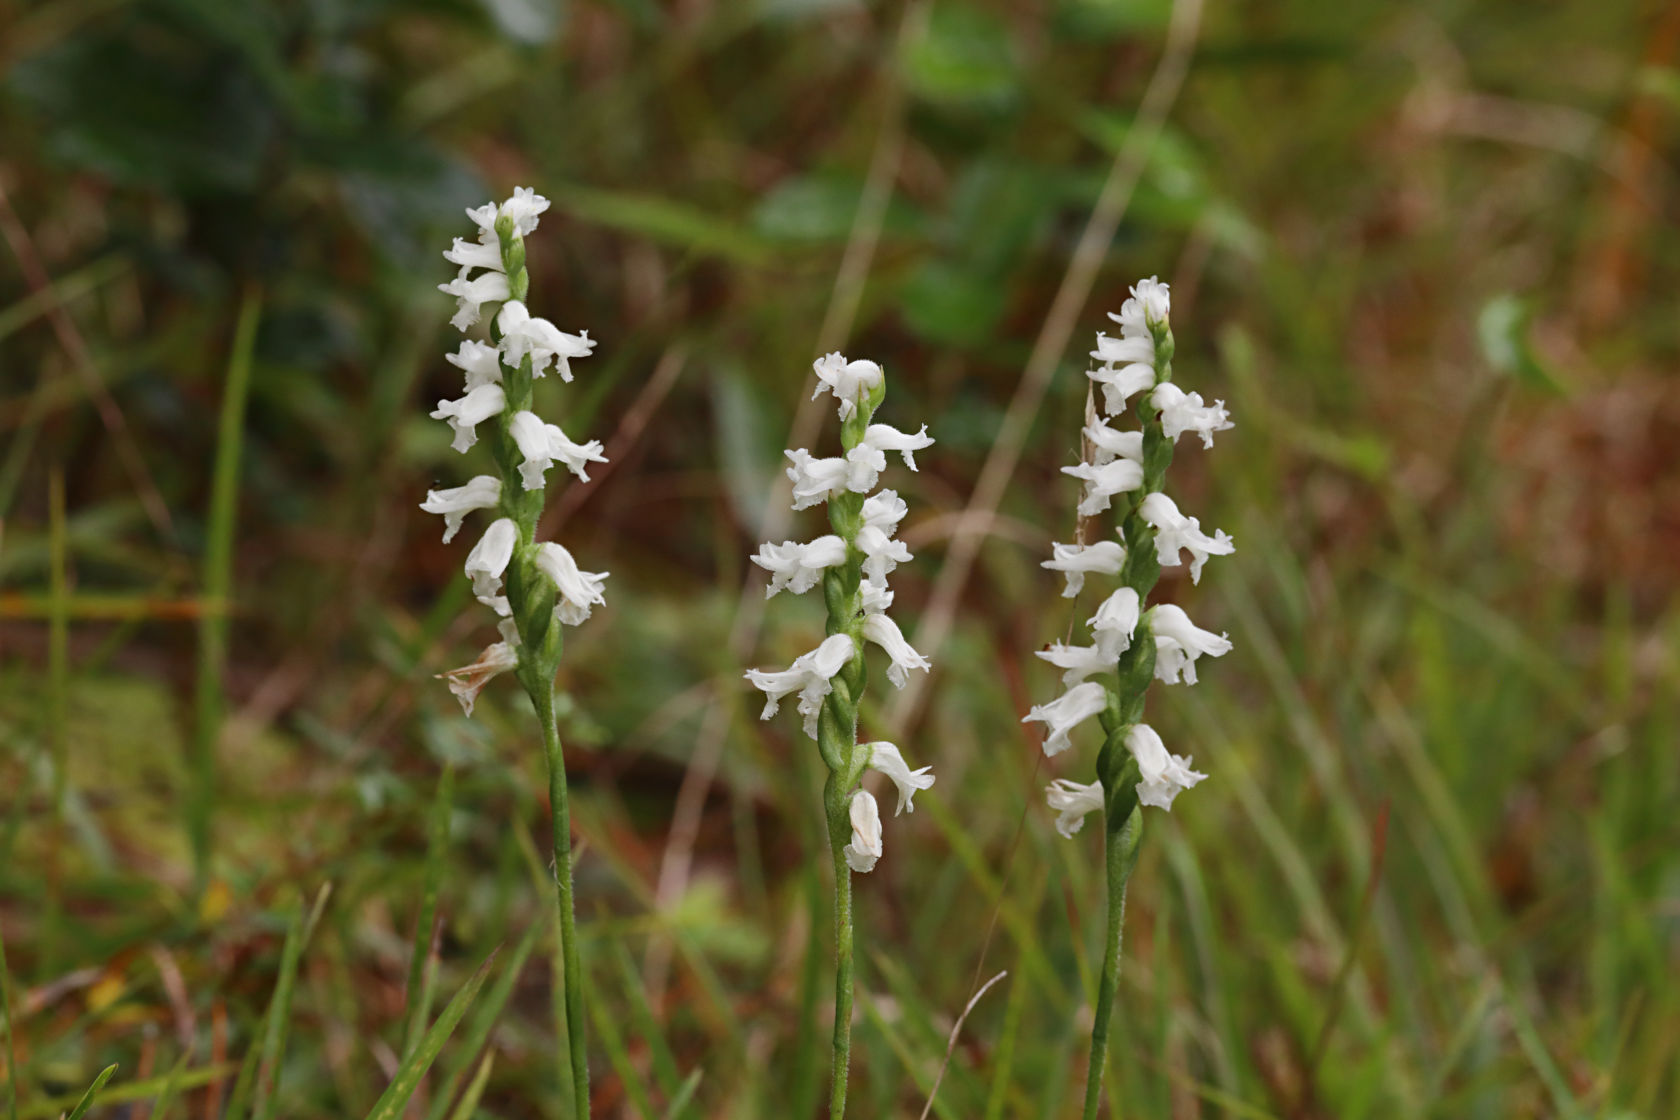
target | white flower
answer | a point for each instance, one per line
(498, 657)
(522, 209)
(868, 459)
(1078, 662)
(848, 381)
(1104, 557)
(1163, 775)
(1115, 621)
(470, 295)
(489, 559)
(1066, 712)
(1151, 302)
(798, 567)
(1103, 482)
(881, 514)
(874, 596)
(1185, 412)
(476, 254)
(468, 412)
(1073, 800)
(884, 632)
(1120, 384)
(1125, 351)
(865, 847)
(814, 480)
(884, 756)
(482, 492)
(542, 444)
(1174, 531)
(580, 591)
(1108, 444)
(526, 335)
(810, 675)
(1178, 642)
(480, 361)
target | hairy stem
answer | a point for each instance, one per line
(839, 832)
(560, 823)
(1120, 845)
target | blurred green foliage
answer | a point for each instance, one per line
(1392, 232)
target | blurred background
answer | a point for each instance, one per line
(1426, 253)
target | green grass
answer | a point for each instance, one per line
(1453, 601)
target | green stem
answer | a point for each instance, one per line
(839, 834)
(560, 822)
(1120, 846)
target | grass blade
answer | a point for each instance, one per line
(683, 1096)
(475, 1089)
(484, 1018)
(421, 978)
(93, 1090)
(218, 581)
(391, 1103)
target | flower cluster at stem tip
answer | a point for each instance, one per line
(533, 586)
(1132, 642)
(852, 564)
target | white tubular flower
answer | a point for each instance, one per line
(1078, 662)
(482, 492)
(1174, 531)
(885, 437)
(1120, 384)
(1186, 412)
(1151, 302)
(814, 480)
(809, 675)
(523, 208)
(480, 361)
(1073, 800)
(476, 254)
(499, 657)
(1103, 482)
(1163, 776)
(875, 596)
(466, 413)
(525, 335)
(868, 459)
(580, 591)
(881, 514)
(865, 848)
(1178, 642)
(1126, 350)
(1115, 622)
(884, 757)
(884, 632)
(798, 567)
(1075, 560)
(1066, 712)
(542, 444)
(489, 559)
(848, 381)
(471, 295)
(1108, 444)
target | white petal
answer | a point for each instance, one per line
(865, 848)
(885, 757)
(579, 591)
(1073, 800)
(884, 632)
(482, 492)
(1105, 557)
(1066, 712)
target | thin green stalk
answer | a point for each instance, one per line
(561, 830)
(218, 583)
(839, 833)
(1120, 846)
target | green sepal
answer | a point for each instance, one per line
(1157, 455)
(1136, 672)
(1142, 568)
(1162, 335)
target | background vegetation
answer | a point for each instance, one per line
(1427, 253)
